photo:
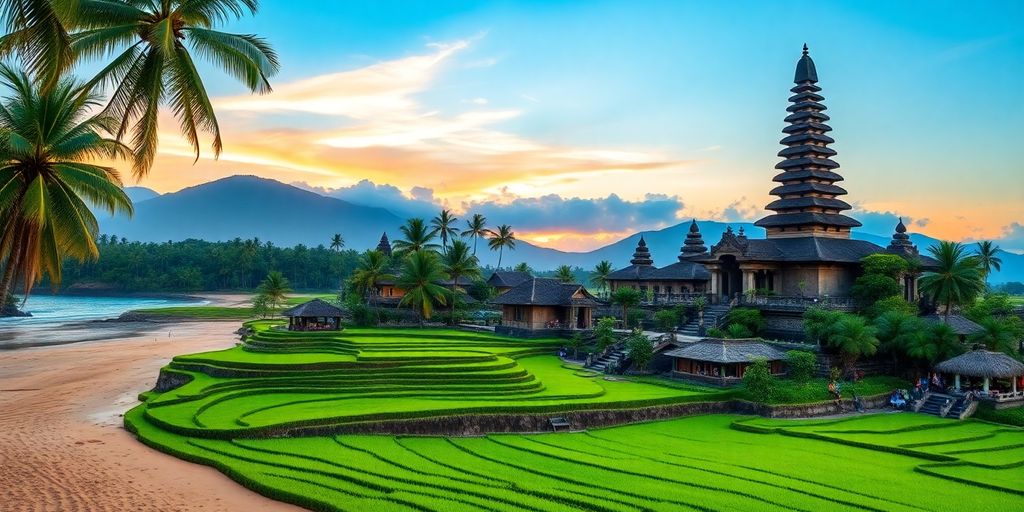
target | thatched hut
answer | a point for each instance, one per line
(984, 364)
(723, 361)
(315, 315)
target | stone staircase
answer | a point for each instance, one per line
(713, 314)
(946, 406)
(610, 361)
(933, 404)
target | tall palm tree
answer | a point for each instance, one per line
(36, 31)
(420, 273)
(444, 226)
(155, 43)
(500, 239)
(938, 343)
(897, 331)
(337, 242)
(372, 269)
(957, 278)
(987, 252)
(458, 264)
(476, 229)
(854, 338)
(564, 274)
(417, 237)
(48, 141)
(275, 287)
(599, 277)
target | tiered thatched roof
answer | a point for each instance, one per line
(313, 308)
(983, 363)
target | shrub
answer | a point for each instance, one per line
(715, 332)
(261, 306)
(668, 319)
(736, 331)
(801, 365)
(749, 318)
(818, 323)
(759, 381)
(605, 332)
(884, 264)
(889, 304)
(640, 351)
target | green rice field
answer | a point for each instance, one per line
(238, 403)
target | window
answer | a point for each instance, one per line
(519, 313)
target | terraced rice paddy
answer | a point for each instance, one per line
(237, 400)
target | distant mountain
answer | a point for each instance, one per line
(139, 194)
(248, 206)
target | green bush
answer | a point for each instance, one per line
(738, 331)
(801, 364)
(759, 381)
(636, 316)
(640, 350)
(668, 319)
(605, 332)
(750, 318)
(1013, 416)
(895, 303)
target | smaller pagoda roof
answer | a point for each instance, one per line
(682, 271)
(508, 278)
(539, 291)
(313, 308)
(805, 71)
(983, 363)
(960, 324)
(725, 351)
(633, 273)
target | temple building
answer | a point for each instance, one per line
(384, 245)
(807, 251)
(539, 306)
(671, 283)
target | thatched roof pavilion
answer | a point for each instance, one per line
(985, 364)
(723, 361)
(315, 315)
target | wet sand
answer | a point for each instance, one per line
(62, 444)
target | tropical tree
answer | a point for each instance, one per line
(599, 277)
(958, 278)
(640, 351)
(36, 32)
(476, 228)
(564, 274)
(853, 338)
(523, 267)
(417, 237)
(897, 331)
(627, 298)
(459, 263)
(154, 43)
(998, 335)
(48, 143)
(421, 271)
(987, 257)
(937, 343)
(275, 287)
(337, 242)
(372, 268)
(502, 238)
(444, 226)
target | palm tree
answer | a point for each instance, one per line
(155, 42)
(420, 274)
(957, 278)
(36, 32)
(459, 263)
(897, 331)
(444, 226)
(417, 237)
(853, 337)
(501, 239)
(564, 274)
(938, 343)
(599, 277)
(627, 298)
(987, 252)
(275, 287)
(337, 242)
(523, 267)
(47, 178)
(477, 229)
(372, 269)
(998, 335)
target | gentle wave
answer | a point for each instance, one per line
(61, 309)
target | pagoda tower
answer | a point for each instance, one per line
(901, 243)
(694, 243)
(384, 245)
(807, 204)
(642, 255)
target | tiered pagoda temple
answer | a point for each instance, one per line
(807, 251)
(669, 283)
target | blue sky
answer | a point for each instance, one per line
(680, 99)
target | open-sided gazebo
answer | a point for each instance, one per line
(987, 365)
(315, 315)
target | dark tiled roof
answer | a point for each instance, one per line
(315, 307)
(807, 218)
(797, 188)
(959, 324)
(632, 273)
(802, 249)
(728, 351)
(540, 291)
(682, 271)
(507, 278)
(983, 363)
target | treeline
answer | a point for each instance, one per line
(197, 265)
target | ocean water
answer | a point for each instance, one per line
(50, 310)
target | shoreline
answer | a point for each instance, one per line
(65, 447)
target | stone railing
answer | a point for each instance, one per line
(801, 303)
(675, 298)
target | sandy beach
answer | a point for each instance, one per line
(62, 444)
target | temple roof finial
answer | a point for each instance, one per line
(642, 255)
(385, 245)
(694, 244)
(805, 48)
(901, 243)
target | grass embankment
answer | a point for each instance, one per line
(224, 312)
(1013, 416)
